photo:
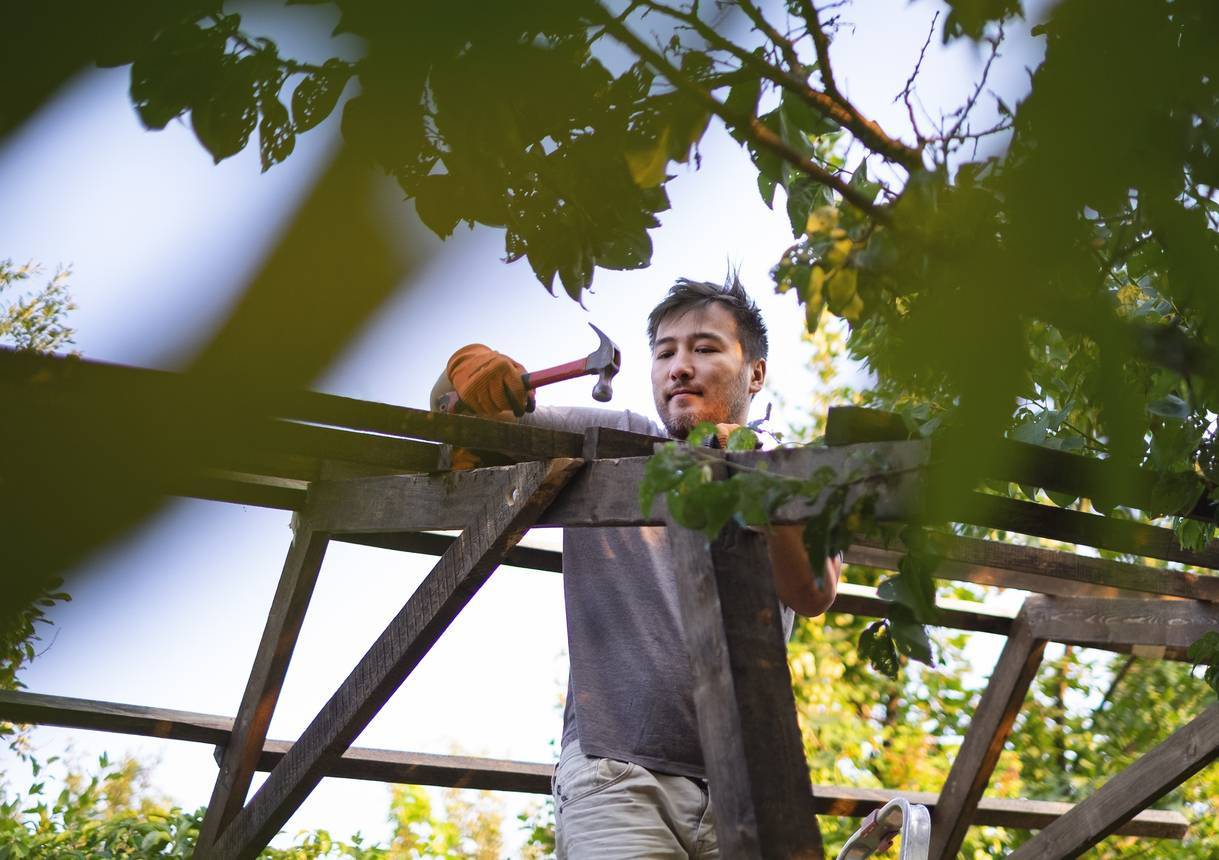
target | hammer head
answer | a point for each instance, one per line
(605, 361)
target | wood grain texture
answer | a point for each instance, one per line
(527, 489)
(1184, 753)
(988, 731)
(751, 743)
(605, 493)
(1043, 571)
(463, 772)
(279, 636)
(1099, 622)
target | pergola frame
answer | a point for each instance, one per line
(339, 464)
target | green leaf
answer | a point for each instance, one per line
(224, 120)
(742, 439)
(1176, 493)
(911, 639)
(1193, 534)
(438, 203)
(317, 94)
(1169, 406)
(804, 195)
(1061, 499)
(701, 434)
(276, 136)
(877, 648)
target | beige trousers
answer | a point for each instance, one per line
(614, 810)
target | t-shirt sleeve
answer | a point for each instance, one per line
(577, 419)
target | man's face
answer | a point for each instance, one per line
(699, 371)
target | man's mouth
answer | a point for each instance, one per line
(680, 391)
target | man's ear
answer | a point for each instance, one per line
(757, 375)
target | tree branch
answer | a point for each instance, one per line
(821, 43)
(751, 125)
(868, 132)
(783, 44)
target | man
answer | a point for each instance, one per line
(630, 782)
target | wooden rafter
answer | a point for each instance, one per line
(279, 637)
(415, 768)
(458, 575)
(1184, 753)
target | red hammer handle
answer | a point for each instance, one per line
(556, 374)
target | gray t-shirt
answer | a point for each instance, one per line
(630, 694)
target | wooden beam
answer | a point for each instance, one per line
(495, 774)
(279, 636)
(751, 743)
(1044, 571)
(988, 731)
(853, 599)
(605, 493)
(1020, 462)
(1184, 753)
(461, 571)
(1077, 527)
(239, 489)
(1101, 623)
(64, 377)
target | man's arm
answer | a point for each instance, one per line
(794, 579)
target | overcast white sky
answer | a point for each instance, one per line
(160, 240)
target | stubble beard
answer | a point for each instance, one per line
(733, 411)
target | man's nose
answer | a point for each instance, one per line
(681, 367)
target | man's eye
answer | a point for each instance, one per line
(705, 349)
(663, 354)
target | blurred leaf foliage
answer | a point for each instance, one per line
(110, 809)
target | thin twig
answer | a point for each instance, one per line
(904, 95)
(837, 108)
(964, 111)
(784, 45)
(821, 43)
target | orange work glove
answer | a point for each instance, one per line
(488, 382)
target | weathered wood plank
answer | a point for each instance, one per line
(1184, 753)
(988, 731)
(1102, 622)
(1043, 570)
(461, 571)
(426, 543)
(1019, 462)
(65, 377)
(1015, 515)
(279, 636)
(241, 489)
(458, 771)
(751, 743)
(605, 493)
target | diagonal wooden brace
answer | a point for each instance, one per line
(461, 571)
(267, 675)
(1184, 753)
(988, 731)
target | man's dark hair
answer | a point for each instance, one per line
(687, 295)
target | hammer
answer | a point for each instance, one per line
(604, 361)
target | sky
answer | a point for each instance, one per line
(161, 241)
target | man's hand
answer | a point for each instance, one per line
(488, 382)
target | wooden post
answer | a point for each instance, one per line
(989, 729)
(461, 571)
(267, 675)
(756, 771)
(1184, 753)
